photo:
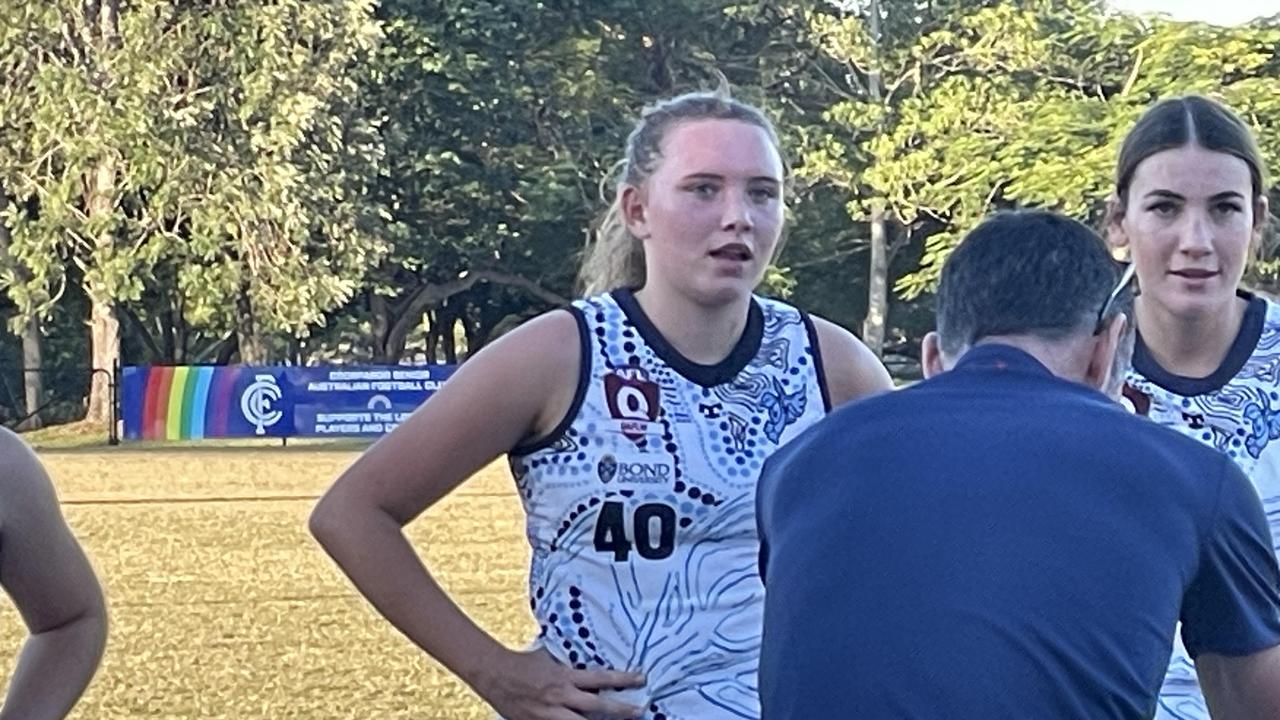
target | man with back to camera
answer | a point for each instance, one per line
(51, 582)
(1003, 540)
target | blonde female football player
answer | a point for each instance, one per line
(636, 422)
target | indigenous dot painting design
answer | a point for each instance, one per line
(641, 512)
(1240, 418)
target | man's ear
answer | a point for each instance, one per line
(931, 361)
(1102, 358)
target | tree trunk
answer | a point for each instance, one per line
(143, 334)
(447, 342)
(168, 337)
(433, 345)
(102, 33)
(105, 337)
(878, 293)
(182, 340)
(405, 316)
(488, 315)
(392, 330)
(471, 336)
(470, 318)
(379, 326)
(878, 284)
(32, 373)
(32, 379)
(253, 350)
(443, 329)
(104, 325)
(226, 350)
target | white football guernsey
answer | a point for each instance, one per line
(1236, 410)
(641, 504)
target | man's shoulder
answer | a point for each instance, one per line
(1069, 412)
(1145, 453)
(847, 426)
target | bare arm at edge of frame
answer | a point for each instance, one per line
(46, 573)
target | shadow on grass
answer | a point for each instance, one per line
(90, 437)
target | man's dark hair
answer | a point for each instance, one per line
(1031, 272)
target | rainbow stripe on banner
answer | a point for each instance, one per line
(180, 403)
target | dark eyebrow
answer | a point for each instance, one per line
(720, 178)
(1227, 195)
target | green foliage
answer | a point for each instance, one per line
(224, 140)
(1018, 104)
(316, 177)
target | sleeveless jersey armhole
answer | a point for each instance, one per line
(584, 373)
(818, 367)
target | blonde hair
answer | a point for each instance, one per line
(615, 258)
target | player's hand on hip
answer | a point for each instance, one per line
(532, 685)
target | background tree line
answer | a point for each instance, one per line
(188, 181)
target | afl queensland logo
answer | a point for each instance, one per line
(1135, 401)
(607, 468)
(258, 403)
(633, 400)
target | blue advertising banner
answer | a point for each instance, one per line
(193, 402)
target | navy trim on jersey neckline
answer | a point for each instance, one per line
(579, 395)
(1255, 316)
(704, 375)
(818, 367)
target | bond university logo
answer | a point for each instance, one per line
(643, 473)
(607, 468)
(258, 403)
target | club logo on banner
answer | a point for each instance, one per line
(179, 403)
(258, 403)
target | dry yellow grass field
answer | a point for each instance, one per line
(222, 606)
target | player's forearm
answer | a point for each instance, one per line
(55, 667)
(372, 550)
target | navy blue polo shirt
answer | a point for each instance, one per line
(997, 542)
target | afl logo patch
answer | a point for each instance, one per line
(631, 396)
